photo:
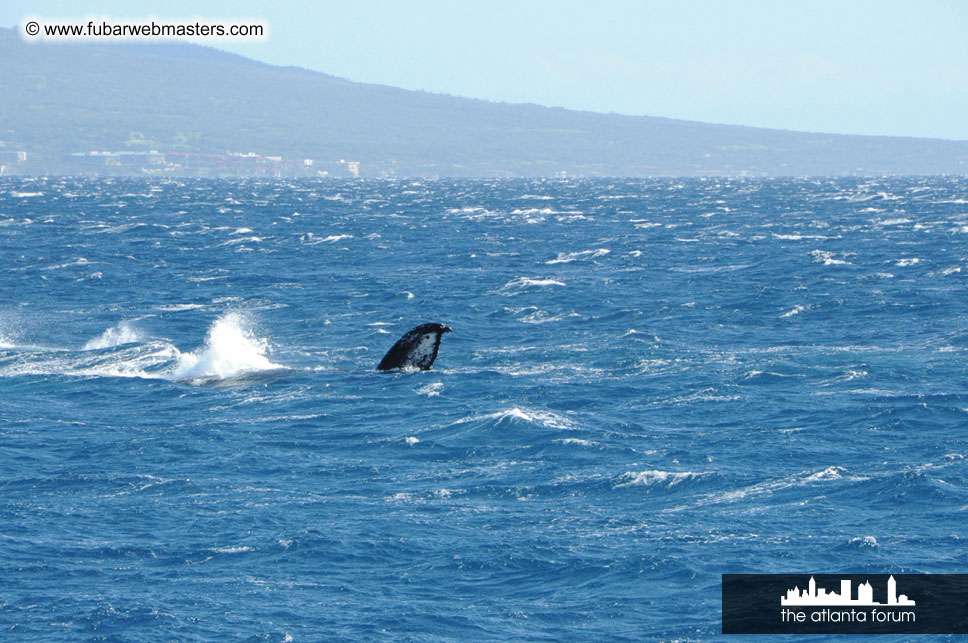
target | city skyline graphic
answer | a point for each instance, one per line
(814, 595)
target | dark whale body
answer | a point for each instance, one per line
(417, 349)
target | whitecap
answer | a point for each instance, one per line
(235, 242)
(575, 256)
(80, 261)
(798, 237)
(231, 549)
(828, 474)
(827, 258)
(528, 282)
(533, 211)
(12, 222)
(431, 390)
(543, 317)
(710, 269)
(578, 441)
(655, 476)
(176, 308)
(546, 419)
(311, 240)
(201, 280)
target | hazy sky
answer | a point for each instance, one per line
(847, 66)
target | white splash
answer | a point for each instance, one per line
(230, 349)
(118, 335)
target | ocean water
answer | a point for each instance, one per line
(650, 383)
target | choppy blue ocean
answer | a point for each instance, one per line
(650, 383)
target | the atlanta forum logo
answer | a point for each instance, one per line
(865, 603)
(862, 609)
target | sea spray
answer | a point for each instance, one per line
(230, 349)
(118, 335)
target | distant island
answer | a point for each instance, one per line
(181, 109)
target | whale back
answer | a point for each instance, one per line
(417, 349)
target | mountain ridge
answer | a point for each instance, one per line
(69, 98)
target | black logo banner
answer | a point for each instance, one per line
(845, 604)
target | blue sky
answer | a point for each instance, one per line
(847, 66)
